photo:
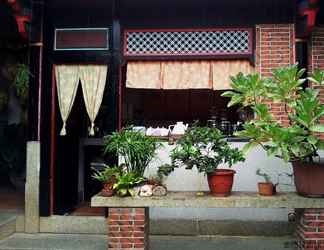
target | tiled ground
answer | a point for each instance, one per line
(95, 242)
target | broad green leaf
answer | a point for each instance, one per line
(312, 140)
(236, 99)
(320, 145)
(317, 128)
(228, 93)
(249, 146)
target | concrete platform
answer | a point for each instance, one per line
(190, 199)
(95, 242)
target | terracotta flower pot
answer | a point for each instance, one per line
(220, 182)
(108, 188)
(309, 178)
(266, 188)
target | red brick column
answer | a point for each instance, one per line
(316, 58)
(128, 228)
(310, 230)
(275, 48)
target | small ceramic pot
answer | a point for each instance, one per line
(266, 188)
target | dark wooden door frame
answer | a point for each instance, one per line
(53, 142)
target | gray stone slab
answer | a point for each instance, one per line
(185, 227)
(32, 187)
(73, 224)
(54, 242)
(174, 227)
(94, 242)
(222, 243)
(246, 228)
(177, 227)
(190, 199)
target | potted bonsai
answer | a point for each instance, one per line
(266, 188)
(295, 142)
(135, 151)
(206, 148)
(108, 177)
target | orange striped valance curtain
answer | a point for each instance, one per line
(185, 74)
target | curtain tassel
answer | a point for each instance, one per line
(92, 129)
(63, 130)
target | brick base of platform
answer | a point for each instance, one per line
(128, 228)
(310, 230)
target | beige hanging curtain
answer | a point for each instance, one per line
(67, 80)
(144, 75)
(223, 70)
(93, 81)
(186, 75)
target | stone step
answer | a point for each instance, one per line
(175, 227)
(7, 224)
(99, 242)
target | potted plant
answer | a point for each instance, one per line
(108, 177)
(126, 183)
(135, 151)
(206, 148)
(266, 188)
(295, 142)
(134, 148)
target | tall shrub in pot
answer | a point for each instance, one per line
(206, 148)
(296, 142)
(136, 151)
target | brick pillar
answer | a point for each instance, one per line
(310, 230)
(128, 228)
(275, 48)
(316, 59)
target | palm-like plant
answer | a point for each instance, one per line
(136, 149)
(296, 142)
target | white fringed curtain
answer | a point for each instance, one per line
(185, 74)
(93, 81)
(144, 75)
(67, 80)
(223, 70)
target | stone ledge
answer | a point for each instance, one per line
(191, 200)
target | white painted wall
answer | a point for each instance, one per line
(245, 180)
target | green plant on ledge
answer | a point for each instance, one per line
(126, 182)
(296, 142)
(136, 149)
(204, 148)
(107, 174)
(265, 176)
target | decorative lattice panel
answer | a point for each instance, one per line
(187, 42)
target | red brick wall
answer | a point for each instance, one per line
(275, 48)
(310, 230)
(128, 228)
(316, 58)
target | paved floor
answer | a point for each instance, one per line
(98, 242)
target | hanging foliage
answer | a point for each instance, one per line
(21, 81)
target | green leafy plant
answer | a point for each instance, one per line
(136, 149)
(107, 174)
(264, 175)
(295, 142)
(204, 148)
(126, 182)
(21, 80)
